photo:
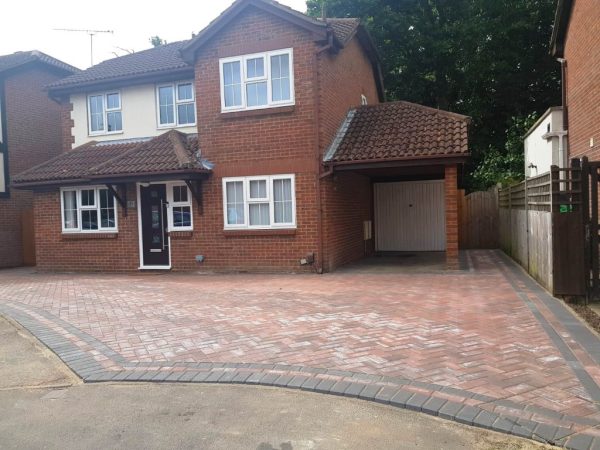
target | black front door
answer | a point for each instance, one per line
(155, 239)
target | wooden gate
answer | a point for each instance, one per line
(591, 227)
(478, 216)
(28, 237)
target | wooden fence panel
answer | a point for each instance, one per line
(519, 236)
(478, 220)
(540, 247)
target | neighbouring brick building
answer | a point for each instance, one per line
(30, 133)
(263, 143)
(576, 39)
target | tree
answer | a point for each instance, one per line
(487, 59)
(156, 41)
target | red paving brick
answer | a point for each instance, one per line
(465, 329)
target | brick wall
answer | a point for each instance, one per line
(80, 252)
(451, 199)
(582, 52)
(347, 203)
(346, 198)
(34, 136)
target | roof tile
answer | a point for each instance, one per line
(169, 152)
(399, 130)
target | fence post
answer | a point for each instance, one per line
(510, 219)
(527, 223)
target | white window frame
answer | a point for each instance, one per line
(80, 208)
(269, 199)
(105, 111)
(176, 102)
(242, 59)
(172, 203)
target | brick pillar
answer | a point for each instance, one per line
(451, 194)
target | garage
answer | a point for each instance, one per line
(410, 216)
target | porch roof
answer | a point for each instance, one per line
(398, 131)
(170, 154)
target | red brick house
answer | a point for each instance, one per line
(260, 144)
(576, 41)
(24, 106)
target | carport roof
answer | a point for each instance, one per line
(172, 153)
(398, 131)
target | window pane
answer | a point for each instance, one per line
(166, 105)
(235, 202)
(280, 78)
(180, 194)
(232, 83)
(186, 114)
(89, 219)
(70, 210)
(282, 200)
(113, 101)
(96, 113)
(256, 94)
(88, 197)
(182, 216)
(115, 123)
(255, 68)
(184, 91)
(258, 188)
(107, 209)
(259, 214)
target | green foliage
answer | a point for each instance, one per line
(156, 41)
(504, 166)
(488, 59)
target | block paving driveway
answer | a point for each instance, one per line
(484, 345)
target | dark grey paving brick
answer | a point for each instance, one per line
(450, 409)
(214, 376)
(433, 405)
(283, 380)
(241, 377)
(595, 444)
(467, 414)
(200, 377)
(188, 375)
(400, 398)
(417, 401)
(579, 442)
(269, 378)
(324, 386)
(162, 375)
(227, 377)
(339, 388)
(310, 384)
(354, 389)
(503, 425)
(485, 419)
(254, 378)
(297, 381)
(385, 394)
(545, 432)
(369, 392)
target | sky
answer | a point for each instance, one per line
(31, 24)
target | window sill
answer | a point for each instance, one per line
(85, 236)
(258, 112)
(111, 133)
(269, 232)
(173, 126)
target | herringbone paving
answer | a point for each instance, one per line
(482, 337)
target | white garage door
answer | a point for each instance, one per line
(410, 216)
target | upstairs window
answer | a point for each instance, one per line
(257, 81)
(88, 210)
(259, 202)
(176, 104)
(104, 111)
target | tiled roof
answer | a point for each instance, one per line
(17, 59)
(343, 29)
(399, 130)
(163, 58)
(170, 152)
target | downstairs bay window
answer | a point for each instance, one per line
(88, 210)
(262, 202)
